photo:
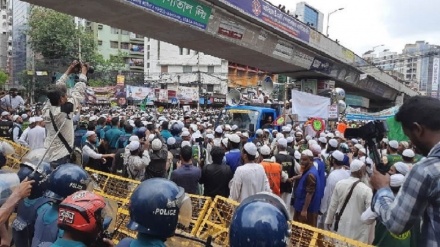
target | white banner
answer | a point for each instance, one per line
(435, 67)
(140, 93)
(308, 105)
(188, 93)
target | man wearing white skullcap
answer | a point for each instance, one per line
(350, 225)
(250, 178)
(393, 156)
(273, 170)
(399, 168)
(408, 157)
(92, 158)
(307, 195)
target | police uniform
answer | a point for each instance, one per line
(141, 241)
(5, 127)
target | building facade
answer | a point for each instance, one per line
(310, 16)
(169, 66)
(417, 66)
(21, 51)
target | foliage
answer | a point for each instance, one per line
(3, 78)
(54, 35)
(98, 83)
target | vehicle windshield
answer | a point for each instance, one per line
(240, 117)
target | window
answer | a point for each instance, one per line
(180, 50)
(187, 69)
(100, 26)
(164, 69)
(210, 69)
(148, 47)
(114, 44)
(99, 42)
(210, 88)
(125, 45)
(158, 49)
(4, 17)
(148, 65)
(123, 32)
(114, 30)
(148, 55)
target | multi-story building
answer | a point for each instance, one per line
(170, 65)
(5, 37)
(21, 51)
(417, 65)
(310, 16)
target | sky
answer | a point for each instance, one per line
(364, 24)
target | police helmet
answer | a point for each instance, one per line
(83, 211)
(39, 174)
(156, 206)
(260, 220)
(65, 180)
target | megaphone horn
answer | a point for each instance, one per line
(267, 86)
(233, 97)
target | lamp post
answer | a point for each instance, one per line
(328, 18)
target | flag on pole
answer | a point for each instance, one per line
(395, 130)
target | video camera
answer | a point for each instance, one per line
(373, 132)
(90, 69)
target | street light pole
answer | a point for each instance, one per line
(328, 18)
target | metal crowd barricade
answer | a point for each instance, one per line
(13, 161)
(210, 218)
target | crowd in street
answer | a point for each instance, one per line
(326, 180)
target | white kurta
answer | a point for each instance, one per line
(351, 225)
(36, 137)
(248, 180)
(333, 178)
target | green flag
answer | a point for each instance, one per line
(395, 130)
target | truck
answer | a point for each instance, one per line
(250, 117)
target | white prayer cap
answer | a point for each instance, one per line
(397, 180)
(356, 165)
(250, 148)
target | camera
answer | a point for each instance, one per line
(90, 69)
(372, 130)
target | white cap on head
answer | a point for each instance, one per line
(151, 137)
(225, 141)
(408, 153)
(333, 143)
(89, 133)
(385, 140)
(356, 165)
(290, 139)
(14, 118)
(297, 155)
(250, 148)
(322, 134)
(210, 136)
(38, 119)
(265, 150)
(401, 168)
(316, 149)
(307, 152)
(279, 136)
(330, 135)
(185, 134)
(322, 139)
(32, 120)
(185, 143)
(245, 134)
(219, 130)
(405, 144)
(24, 116)
(234, 138)
(133, 138)
(397, 180)
(362, 150)
(171, 141)
(282, 142)
(358, 146)
(259, 132)
(338, 155)
(311, 142)
(5, 113)
(156, 144)
(308, 138)
(93, 118)
(133, 146)
(393, 144)
(234, 127)
(355, 141)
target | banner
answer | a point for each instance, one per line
(186, 11)
(307, 105)
(271, 16)
(395, 130)
(354, 114)
(140, 93)
(163, 95)
(435, 67)
(106, 95)
(188, 93)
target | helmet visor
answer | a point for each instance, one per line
(183, 202)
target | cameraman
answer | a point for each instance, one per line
(419, 197)
(60, 109)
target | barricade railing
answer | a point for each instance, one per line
(210, 217)
(13, 161)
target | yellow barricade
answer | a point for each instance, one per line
(210, 218)
(20, 150)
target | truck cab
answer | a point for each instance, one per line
(249, 118)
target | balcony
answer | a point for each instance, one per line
(136, 64)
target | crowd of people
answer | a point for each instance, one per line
(326, 180)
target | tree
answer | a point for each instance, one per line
(3, 78)
(55, 36)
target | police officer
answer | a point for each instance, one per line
(6, 125)
(23, 225)
(82, 217)
(63, 181)
(251, 227)
(154, 209)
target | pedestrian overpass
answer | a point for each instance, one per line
(250, 32)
